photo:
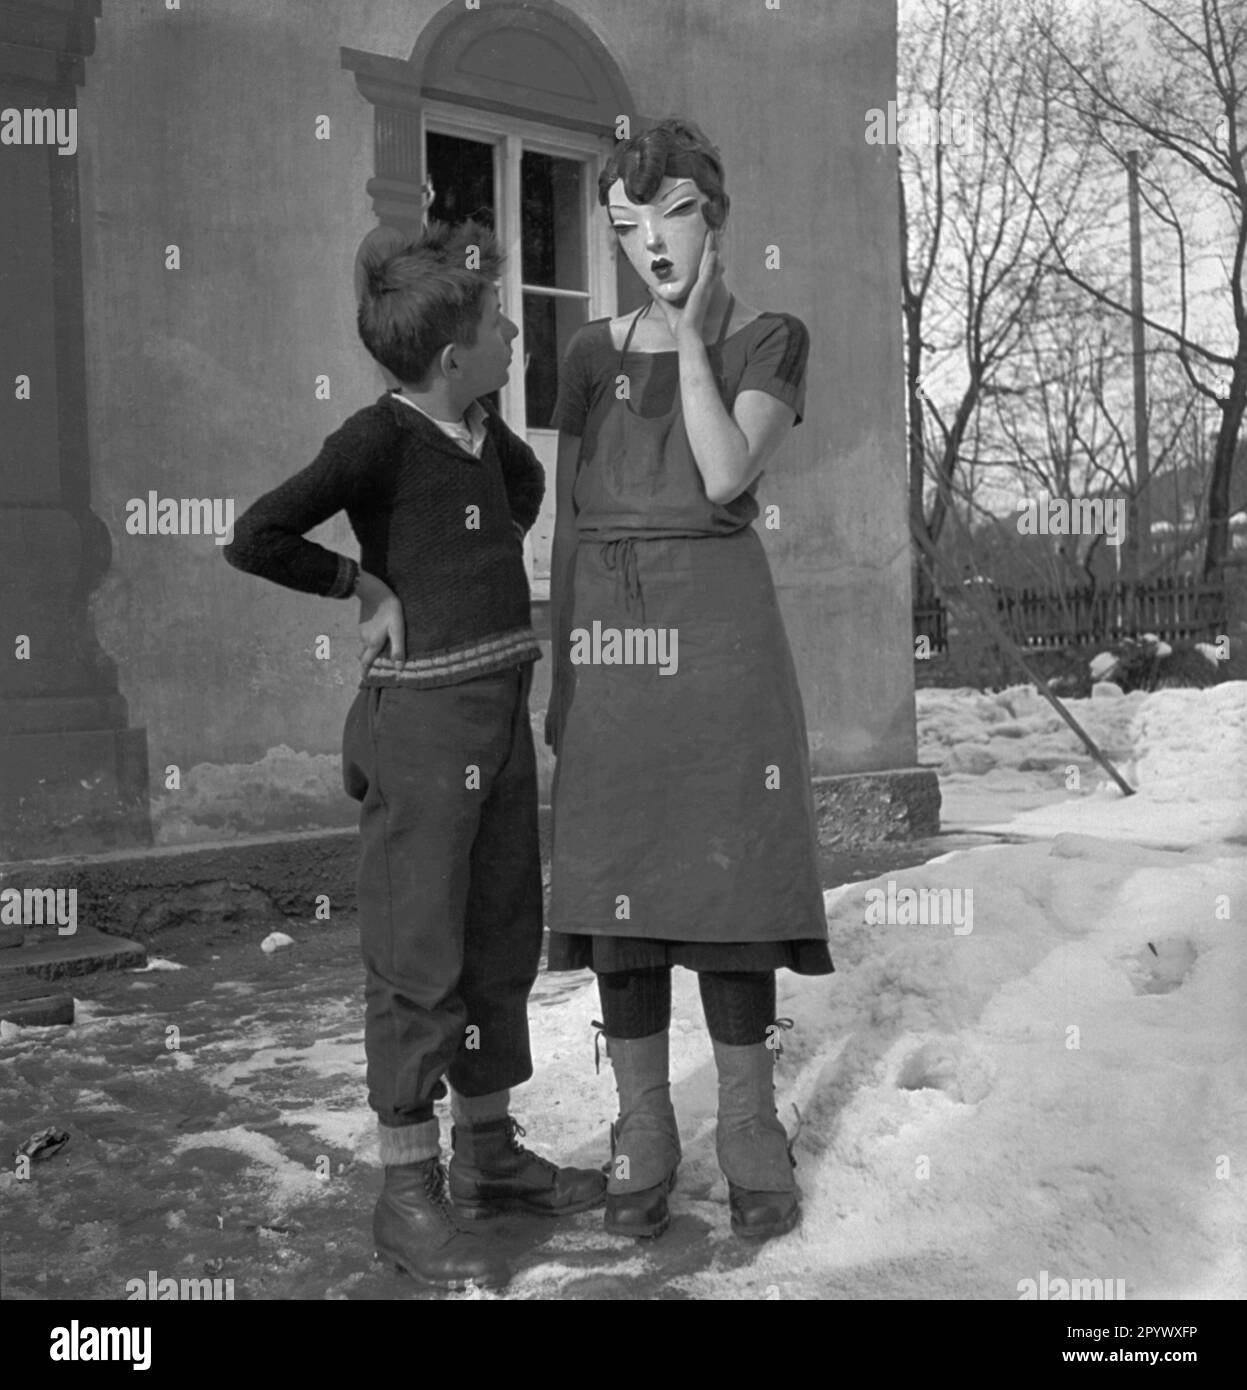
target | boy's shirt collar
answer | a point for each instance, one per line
(468, 433)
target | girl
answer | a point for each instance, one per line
(684, 827)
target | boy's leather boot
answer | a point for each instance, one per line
(491, 1171)
(752, 1144)
(645, 1140)
(414, 1228)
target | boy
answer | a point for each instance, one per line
(438, 746)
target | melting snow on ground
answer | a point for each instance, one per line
(1040, 1067)
(1064, 1086)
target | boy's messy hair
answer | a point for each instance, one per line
(417, 296)
(675, 148)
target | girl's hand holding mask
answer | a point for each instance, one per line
(687, 321)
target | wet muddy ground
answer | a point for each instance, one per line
(218, 1128)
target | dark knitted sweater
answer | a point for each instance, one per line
(408, 491)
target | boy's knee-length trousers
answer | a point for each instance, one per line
(449, 887)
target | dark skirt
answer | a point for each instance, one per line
(684, 828)
(604, 954)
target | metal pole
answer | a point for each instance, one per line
(1139, 542)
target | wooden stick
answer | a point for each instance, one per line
(1010, 648)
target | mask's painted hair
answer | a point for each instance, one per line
(675, 148)
(415, 297)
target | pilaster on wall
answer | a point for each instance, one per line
(394, 91)
(74, 774)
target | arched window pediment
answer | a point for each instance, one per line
(537, 59)
(513, 58)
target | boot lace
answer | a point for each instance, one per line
(437, 1189)
(514, 1132)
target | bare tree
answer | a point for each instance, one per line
(974, 248)
(1061, 418)
(1182, 111)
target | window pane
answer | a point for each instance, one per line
(462, 175)
(548, 327)
(552, 222)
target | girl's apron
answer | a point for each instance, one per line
(682, 802)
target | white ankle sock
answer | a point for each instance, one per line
(410, 1143)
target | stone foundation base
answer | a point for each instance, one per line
(73, 791)
(255, 882)
(859, 809)
(258, 882)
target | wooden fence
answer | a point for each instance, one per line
(931, 622)
(1176, 609)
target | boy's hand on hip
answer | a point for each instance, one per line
(380, 621)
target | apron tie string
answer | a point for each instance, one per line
(620, 556)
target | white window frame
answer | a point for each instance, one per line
(511, 136)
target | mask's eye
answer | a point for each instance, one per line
(682, 208)
(619, 228)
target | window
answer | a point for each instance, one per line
(554, 270)
(537, 188)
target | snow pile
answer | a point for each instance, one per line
(1061, 1088)
(1183, 751)
(1190, 745)
(1016, 731)
(1048, 1091)
(1044, 1093)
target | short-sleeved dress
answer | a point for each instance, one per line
(684, 830)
